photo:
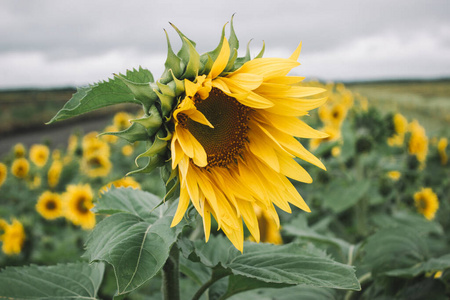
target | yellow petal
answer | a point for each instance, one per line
(268, 67)
(250, 219)
(290, 168)
(221, 61)
(206, 220)
(183, 204)
(292, 126)
(245, 80)
(296, 53)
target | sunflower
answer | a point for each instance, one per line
(426, 202)
(77, 201)
(20, 167)
(34, 182)
(54, 173)
(268, 230)
(72, 144)
(49, 205)
(400, 127)
(234, 145)
(337, 114)
(19, 150)
(441, 146)
(96, 165)
(3, 173)
(93, 146)
(121, 120)
(418, 142)
(109, 138)
(122, 182)
(333, 134)
(127, 150)
(13, 237)
(394, 175)
(39, 154)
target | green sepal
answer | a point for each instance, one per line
(158, 147)
(233, 40)
(167, 103)
(152, 123)
(184, 51)
(173, 62)
(143, 92)
(242, 60)
(261, 53)
(230, 65)
(135, 132)
(170, 177)
(207, 62)
(193, 65)
(153, 163)
(179, 84)
(165, 89)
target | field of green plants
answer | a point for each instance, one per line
(378, 220)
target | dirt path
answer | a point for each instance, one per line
(56, 134)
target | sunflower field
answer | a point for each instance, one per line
(236, 182)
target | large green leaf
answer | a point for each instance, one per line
(394, 248)
(289, 264)
(136, 239)
(63, 281)
(290, 293)
(104, 93)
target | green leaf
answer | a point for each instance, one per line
(394, 248)
(137, 241)
(102, 94)
(291, 264)
(63, 281)
(238, 284)
(300, 229)
(290, 293)
(341, 195)
(136, 132)
(431, 265)
(286, 264)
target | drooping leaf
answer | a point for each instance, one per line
(289, 293)
(63, 281)
(136, 239)
(342, 195)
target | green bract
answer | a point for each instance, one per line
(158, 99)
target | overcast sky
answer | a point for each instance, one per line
(61, 43)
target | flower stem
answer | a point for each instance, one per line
(207, 284)
(170, 276)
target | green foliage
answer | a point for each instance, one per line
(69, 281)
(135, 239)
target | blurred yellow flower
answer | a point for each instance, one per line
(396, 140)
(96, 165)
(56, 154)
(336, 151)
(13, 237)
(437, 275)
(93, 146)
(109, 138)
(19, 150)
(333, 132)
(400, 124)
(35, 182)
(39, 154)
(121, 120)
(268, 228)
(441, 146)
(426, 202)
(49, 205)
(394, 175)
(127, 150)
(418, 142)
(72, 144)
(20, 167)
(77, 205)
(122, 182)
(3, 173)
(54, 173)
(337, 114)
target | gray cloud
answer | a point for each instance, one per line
(52, 32)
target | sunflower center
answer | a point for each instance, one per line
(50, 205)
(230, 120)
(81, 205)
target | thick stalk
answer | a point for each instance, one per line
(170, 276)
